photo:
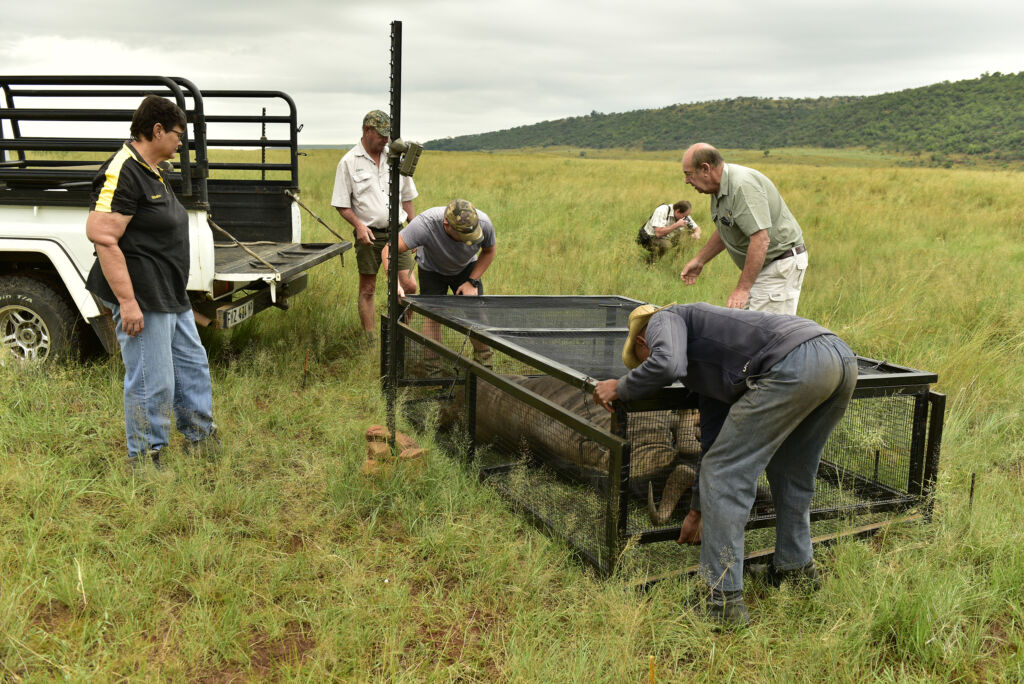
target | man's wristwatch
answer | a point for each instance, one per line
(475, 282)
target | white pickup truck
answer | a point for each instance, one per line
(245, 227)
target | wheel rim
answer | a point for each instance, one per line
(24, 333)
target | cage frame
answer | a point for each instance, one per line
(875, 379)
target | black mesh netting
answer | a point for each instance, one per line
(584, 334)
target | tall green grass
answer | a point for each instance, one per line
(280, 560)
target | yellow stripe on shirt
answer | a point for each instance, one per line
(103, 202)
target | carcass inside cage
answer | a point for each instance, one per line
(597, 479)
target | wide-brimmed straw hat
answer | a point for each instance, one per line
(638, 320)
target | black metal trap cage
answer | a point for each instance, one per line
(510, 379)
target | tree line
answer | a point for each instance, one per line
(981, 117)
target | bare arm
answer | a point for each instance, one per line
(605, 392)
(691, 529)
(385, 255)
(362, 232)
(483, 262)
(104, 230)
(410, 210)
(678, 225)
(756, 251)
(709, 251)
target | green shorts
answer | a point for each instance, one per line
(368, 256)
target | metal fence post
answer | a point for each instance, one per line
(936, 419)
(393, 227)
(471, 383)
(618, 484)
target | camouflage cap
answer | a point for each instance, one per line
(461, 217)
(378, 121)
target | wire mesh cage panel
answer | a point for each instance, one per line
(509, 382)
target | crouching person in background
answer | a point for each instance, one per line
(140, 231)
(664, 229)
(772, 387)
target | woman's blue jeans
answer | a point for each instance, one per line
(779, 427)
(166, 373)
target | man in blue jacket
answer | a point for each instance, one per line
(772, 387)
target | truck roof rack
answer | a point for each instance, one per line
(54, 108)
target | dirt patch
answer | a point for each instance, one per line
(393, 532)
(294, 543)
(440, 581)
(52, 617)
(998, 645)
(177, 599)
(450, 642)
(266, 654)
(996, 631)
(292, 646)
(227, 676)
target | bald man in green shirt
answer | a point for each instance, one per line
(755, 226)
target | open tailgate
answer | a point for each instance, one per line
(285, 259)
(281, 266)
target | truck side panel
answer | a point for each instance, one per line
(59, 233)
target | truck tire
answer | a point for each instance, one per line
(36, 321)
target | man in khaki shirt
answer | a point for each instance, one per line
(361, 197)
(755, 226)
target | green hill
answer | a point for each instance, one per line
(982, 117)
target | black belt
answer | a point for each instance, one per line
(799, 249)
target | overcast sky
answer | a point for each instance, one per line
(477, 66)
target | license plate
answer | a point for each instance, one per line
(233, 317)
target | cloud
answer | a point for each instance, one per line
(474, 66)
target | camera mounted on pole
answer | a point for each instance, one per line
(405, 154)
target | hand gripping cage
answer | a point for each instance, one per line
(509, 381)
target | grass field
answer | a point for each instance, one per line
(282, 561)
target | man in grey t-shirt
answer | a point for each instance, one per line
(455, 245)
(755, 226)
